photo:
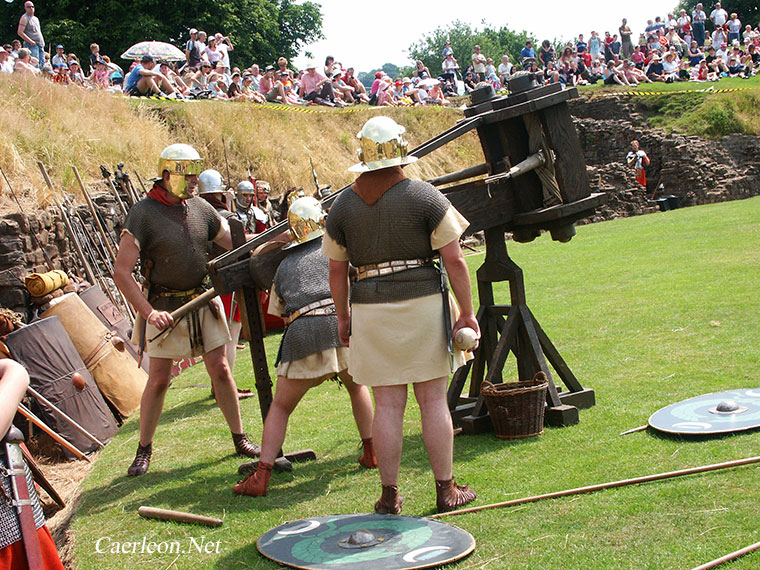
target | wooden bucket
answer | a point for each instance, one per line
(116, 373)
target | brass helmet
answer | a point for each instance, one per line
(306, 219)
(382, 145)
(179, 160)
(210, 182)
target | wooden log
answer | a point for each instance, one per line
(51, 432)
(729, 557)
(177, 516)
(601, 486)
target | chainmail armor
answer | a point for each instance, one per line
(397, 226)
(303, 278)
(175, 239)
(10, 529)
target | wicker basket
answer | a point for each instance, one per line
(516, 408)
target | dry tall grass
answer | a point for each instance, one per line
(65, 126)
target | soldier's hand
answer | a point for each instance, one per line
(344, 326)
(160, 319)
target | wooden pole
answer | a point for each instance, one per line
(48, 430)
(729, 557)
(142, 184)
(94, 212)
(167, 515)
(592, 488)
(116, 196)
(634, 430)
(60, 413)
(188, 307)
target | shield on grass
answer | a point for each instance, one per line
(711, 414)
(159, 51)
(370, 542)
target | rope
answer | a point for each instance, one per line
(545, 172)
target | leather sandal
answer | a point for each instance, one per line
(451, 496)
(257, 483)
(367, 458)
(390, 502)
(142, 460)
(243, 446)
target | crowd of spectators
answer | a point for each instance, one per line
(693, 47)
(686, 47)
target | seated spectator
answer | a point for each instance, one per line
(714, 62)
(247, 88)
(637, 57)
(505, 69)
(59, 58)
(61, 75)
(385, 93)
(670, 67)
(632, 75)
(489, 67)
(199, 80)
(216, 87)
(448, 87)
(15, 46)
(421, 71)
(316, 88)
(751, 59)
(695, 54)
(749, 35)
(24, 63)
(551, 75)
(577, 72)
(411, 91)
(566, 57)
(722, 53)
(6, 63)
(612, 76)
(470, 79)
(99, 76)
(399, 98)
(282, 67)
(144, 80)
(435, 96)
(360, 92)
(704, 73)
(675, 41)
(375, 86)
(596, 71)
(735, 68)
(116, 73)
(546, 53)
(174, 79)
(267, 84)
(77, 75)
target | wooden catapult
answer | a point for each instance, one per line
(533, 179)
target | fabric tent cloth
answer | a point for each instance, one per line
(48, 354)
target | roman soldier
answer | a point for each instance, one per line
(401, 325)
(247, 211)
(169, 231)
(310, 350)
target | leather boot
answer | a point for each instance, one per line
(451, 496)
(368, 458)
(256, 483)
(142, 461)
(390, 503)
(244, 447)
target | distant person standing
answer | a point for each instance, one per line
(698, 18)
(638, 159)
(718, 16)
(479, 64)
(29, 30)
(625, 39)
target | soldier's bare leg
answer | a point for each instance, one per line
(437, 430)
(224, 387)
(152, 402)
(387, 430)
(361, 405)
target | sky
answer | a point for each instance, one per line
(366, 35)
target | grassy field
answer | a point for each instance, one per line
(647, 311)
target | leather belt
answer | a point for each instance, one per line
(317, 308)
(390, 267)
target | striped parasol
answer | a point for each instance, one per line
(159, 51)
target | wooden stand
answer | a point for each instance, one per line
(518, 333)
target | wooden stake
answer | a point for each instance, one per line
(60, 413)
(94, 212)
(729, 557)
(591, 488)
(167, 515)
(634, 430)
(48, 430)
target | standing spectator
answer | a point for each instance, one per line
(615, 46)
(625, 39)
(29, 30)
(202, 38)
(595, 46)
(683, 25)
(638, 159)
(670, 22)
(447, 49)
(193, 50)
(505, 69)
(94, 55)
(580, 46)
(719, 38)
(213, 55)
(224, 47)
(734, 28)
(698, 18)
(718, 16)
(450, 67)
(479, 64)
(527, 52)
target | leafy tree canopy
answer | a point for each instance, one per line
(260, 30)
(748, 11)
(494, 42)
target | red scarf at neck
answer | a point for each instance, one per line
(160, 194)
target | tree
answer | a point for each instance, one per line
(493, 42)
(747, 11)
(260, 30)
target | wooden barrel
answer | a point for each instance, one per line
(116, 373)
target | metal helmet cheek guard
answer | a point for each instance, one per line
(306, 219)
(179, 160)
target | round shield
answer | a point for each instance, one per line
(369, 542)
(710, 414)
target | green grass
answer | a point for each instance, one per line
(647, 311)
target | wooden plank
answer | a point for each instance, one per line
(531, 106)
(559, 364)
(446, 136)
(569, 165)
(523, 96)
(484, 206)
(552, 397)
(562, 212)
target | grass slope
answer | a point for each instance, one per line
(647, 311)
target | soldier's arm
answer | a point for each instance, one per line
(13, 382)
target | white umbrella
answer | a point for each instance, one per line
(429, 82)
(158, 50)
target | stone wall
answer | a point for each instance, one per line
(696, 170)
(21, 254)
